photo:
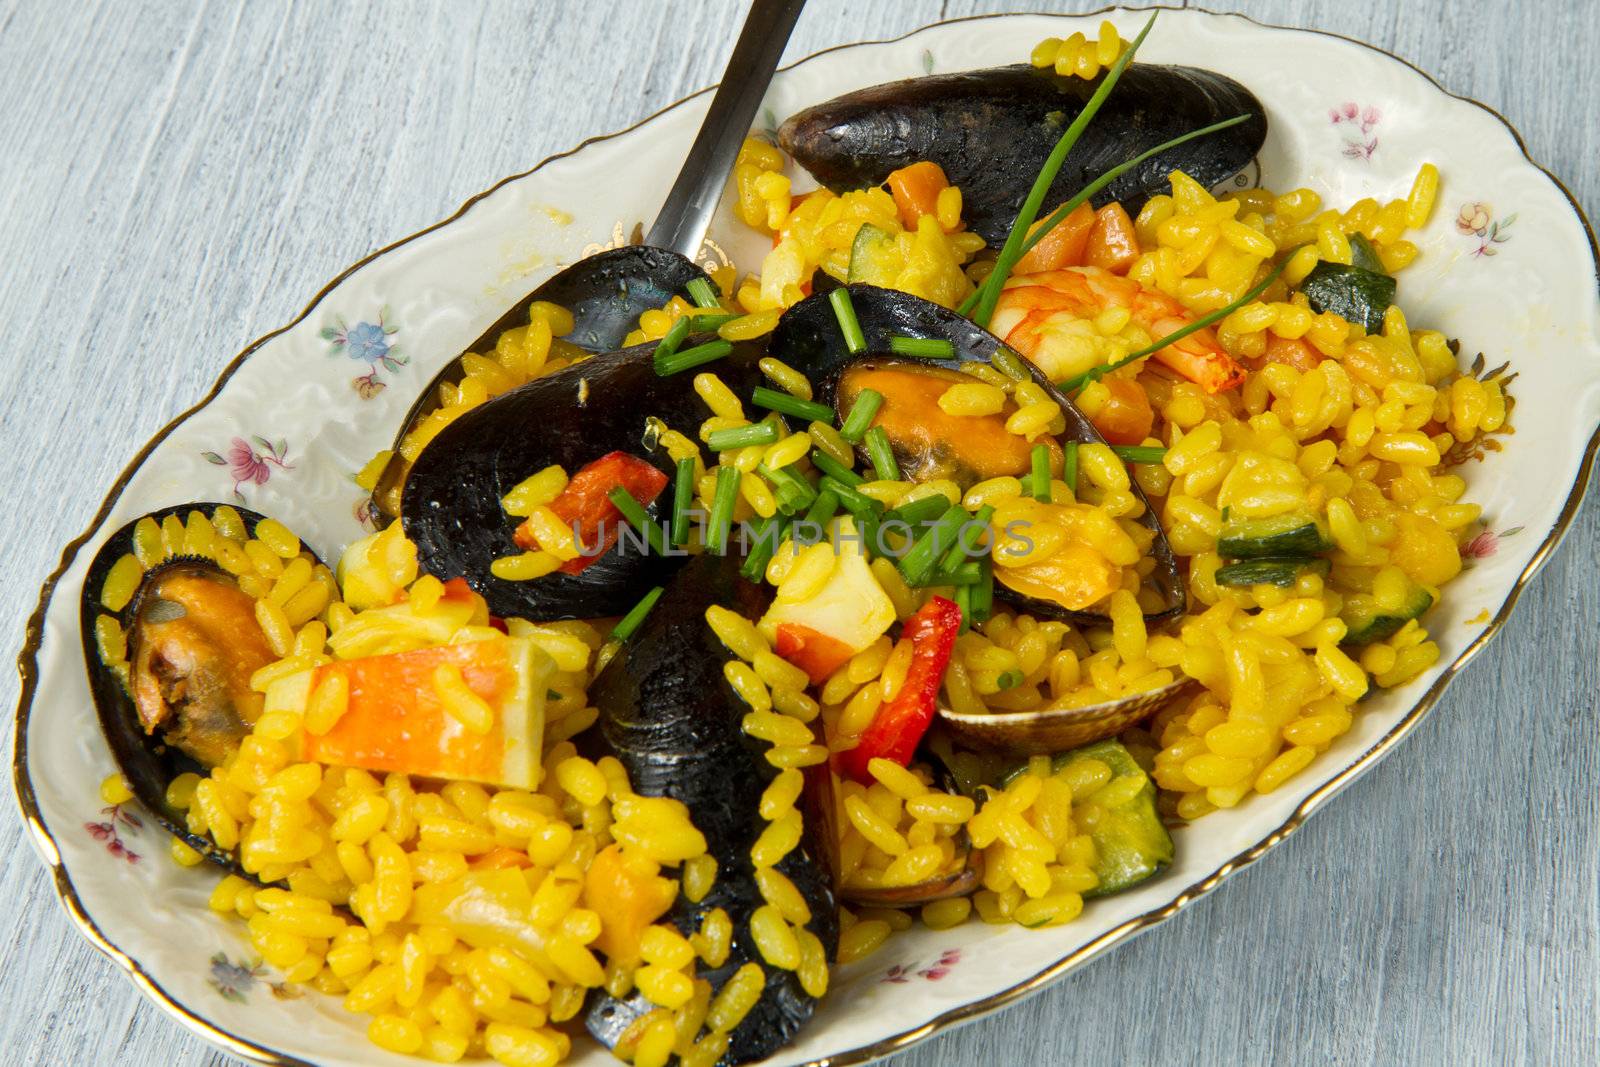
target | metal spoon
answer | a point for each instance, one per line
(607, 292)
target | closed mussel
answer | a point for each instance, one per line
(605, 294)
(671, 716)
(615, 402)
(991, 131)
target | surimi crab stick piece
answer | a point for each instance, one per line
(848, 613)
(398, 716)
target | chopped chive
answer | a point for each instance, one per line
(1069, 465)
(776, 400)
(702, 323)
(824, 508)
(1010, 679)
(966, 546)
(921, 347)
(1010, 364)
(672, 339)
(1011, 251)
(869, 524)
(922, 559)
(964, 605)
(769, 535)
(757, 433)
(983, 592)
(638, 518)
(722, 502)
(1041, 472)
(794, 492)
(965, 573)
(965, 552)
(849, 325)
(968, 574)
(882, 455)
(692, 357)
(700, 292)
(682, 500)
(862, 412)
(918, 512)
(630, 623)
(1140, 453)
(1072, 385)
(834, 469)
(854, 501)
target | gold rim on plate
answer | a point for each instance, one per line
(27, 665)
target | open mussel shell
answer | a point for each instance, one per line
(451, 505)
(1051, 730)
(668, 713)
(808, 338)
(149, 761)
(954, 883)
(967, 122)
(606, 293)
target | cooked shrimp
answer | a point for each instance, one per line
(1067, 322)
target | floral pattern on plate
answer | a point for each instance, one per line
(108, 831)
(1476, 219)
(370, 343)
(1356, 125)
(251, 462)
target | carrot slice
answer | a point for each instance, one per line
(1293, 351)
(1126, 416)
(1063, 246)
(1113, 244)
(916, 191)
(629, 894)
(499, 858)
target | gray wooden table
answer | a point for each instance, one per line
(178, 178)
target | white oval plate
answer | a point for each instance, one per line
(1508, 265)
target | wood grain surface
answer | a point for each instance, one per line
(177, 178)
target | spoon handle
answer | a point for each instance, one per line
(686, 213)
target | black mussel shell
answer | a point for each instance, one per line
(146, 761)
(991, 130)
(606, 293)
(808, 338)
(451, 502)
(670, 716)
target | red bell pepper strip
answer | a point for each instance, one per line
(899, 725)
(457, 589)
(584, 504)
